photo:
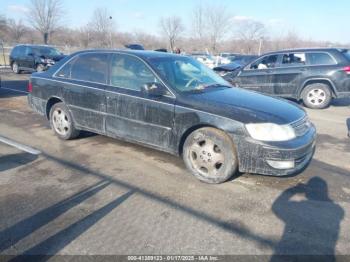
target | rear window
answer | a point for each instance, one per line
(347, 54)
(293, 59)
(320, 59)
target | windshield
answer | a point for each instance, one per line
(46, 51)
(186, 74)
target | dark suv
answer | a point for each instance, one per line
(33, 57)
(314, 76)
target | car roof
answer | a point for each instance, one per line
(145, 54)
(30, 45)
(319, 49)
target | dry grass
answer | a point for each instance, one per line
(4, 61)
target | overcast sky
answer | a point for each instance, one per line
(312, 19)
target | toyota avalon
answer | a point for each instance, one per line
(175, 104)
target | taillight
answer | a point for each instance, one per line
(30, 87)
(347, 69)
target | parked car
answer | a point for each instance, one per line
(229, 71)
(315, 76)
(226, 70)
(175, 104)
(224, 57)
(135, 47)
(33, 58)
(205, 59)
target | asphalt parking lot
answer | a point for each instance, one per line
(96, 195)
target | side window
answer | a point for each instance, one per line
(28, 50)
(20, 51)
(15, 51)
(320, 59)
(265, 62)
(130, 72)
(65, 71)
(90, 67)
(293, 59)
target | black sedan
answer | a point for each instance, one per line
(175, 104)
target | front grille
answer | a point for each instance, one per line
(301, 126)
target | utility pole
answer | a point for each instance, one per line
(110, 33)
(260, 45)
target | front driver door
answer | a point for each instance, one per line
(133, 115)
(259, 75)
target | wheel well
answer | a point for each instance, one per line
(317, 81)
(50, 103)
(188, 132)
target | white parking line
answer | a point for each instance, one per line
(20, 91)
(19, 146)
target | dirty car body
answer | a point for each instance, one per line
(109, 100)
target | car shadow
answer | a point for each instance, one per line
(13, 88)
(12, 161)
(339, 102)
(311, 224)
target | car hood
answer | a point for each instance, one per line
(245, 106)
(228, 67)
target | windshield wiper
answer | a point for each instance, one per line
(214, 85)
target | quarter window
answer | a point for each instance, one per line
(130, 72)
(347, 54)
(320, 59)
(293, 59)
(87, 67)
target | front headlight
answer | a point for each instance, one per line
(271, 132)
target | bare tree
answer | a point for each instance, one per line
(45, 16)
(218, 24)
(172, 27)
(102, 26)
(84, 36)
(16, 30)
(3, 26)
(251, 33)
(198, 21)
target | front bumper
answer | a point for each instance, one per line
(253, 156)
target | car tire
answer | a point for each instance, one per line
(317, 96)
(62, 123)
(210, 155)
(39, 68)
(15, 68)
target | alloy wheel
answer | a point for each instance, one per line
(60, 122)
(206, 157)
(316, 97)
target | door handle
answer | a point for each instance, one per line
(303, 69)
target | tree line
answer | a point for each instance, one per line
(212, 29)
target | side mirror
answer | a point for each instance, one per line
(154, 89)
